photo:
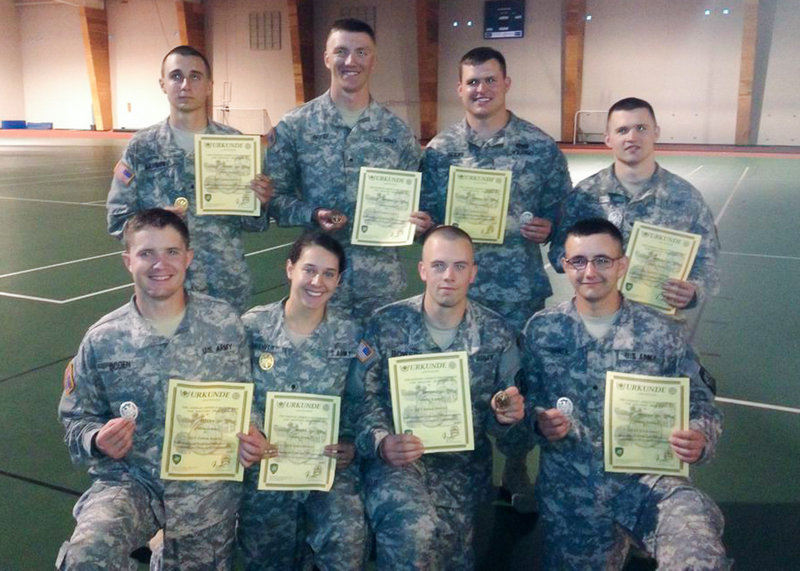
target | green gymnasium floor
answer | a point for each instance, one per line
(59, 272)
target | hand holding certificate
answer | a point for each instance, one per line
(386, 199)
(431, 399)
(477, 202)
(300, 425)
(202, 421)
(640, 414)
(657, 254)
(224, 167)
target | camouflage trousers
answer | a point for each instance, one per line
(411, 531)
(284, 531)
(678, 525)
(116, 518)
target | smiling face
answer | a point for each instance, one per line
(482, 89)
(632, 135)
(595, 289)
(313, 277)
(350, 56)
(186, 82)
(157, 258)
(447, 268)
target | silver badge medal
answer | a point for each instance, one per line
(128, 409)
(565, 406)
(526, 217)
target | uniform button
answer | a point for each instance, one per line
(350, 159)
(595, 388)
(294, 386)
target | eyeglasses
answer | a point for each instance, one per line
(600, 262)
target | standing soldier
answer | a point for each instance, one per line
(157, 170)
(316, 155)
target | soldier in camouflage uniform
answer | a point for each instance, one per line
(157, 169)
(422, 508)
(129, 356)
(301, 345)
(315, 157)
(635, 188)
(513, 281)
(591, 517)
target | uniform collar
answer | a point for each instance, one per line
(142, 335)
(502, 138)
(653, 187)
(468, 336)
(622, 329)
(369, 120)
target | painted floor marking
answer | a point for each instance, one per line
(727, 202)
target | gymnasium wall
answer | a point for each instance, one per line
(395, 82)
(55, 79)
(534, 61)
(780, 117)
(140, 33)
(250, 79)
(12, 105)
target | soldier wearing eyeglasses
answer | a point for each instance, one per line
(635, 188)
(591, 517)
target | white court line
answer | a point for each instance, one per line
(762, 256)
(59, 264)
(58, 176)
(48, 201)
(265, 250)
(727, 202)
(694, 171)
(93, 294)
(61, 179)
(759, 405)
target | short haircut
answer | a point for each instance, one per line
(353, 25)
(629, 104)
(477, 56)
(450, 233)
(154, 218)
(317, 238)
(592, 226)
(186, 51)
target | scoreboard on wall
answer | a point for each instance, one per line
(504, 19)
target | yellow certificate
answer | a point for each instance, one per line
(386, 198)
(657, 254)
(431, 399)
(477, 202)
(200, 432)
(640, 414)
(300, 425)
(224, 165)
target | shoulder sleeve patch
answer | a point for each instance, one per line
(69, 379)
(123, 173)
(710, 381)
(364, 351)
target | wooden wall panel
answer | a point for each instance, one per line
(428, 66)
(746, 134)
(573, 34)
(301, 30)
(94, 27)
(191, 25)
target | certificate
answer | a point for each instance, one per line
(431, 399)
(224, 165)
(300, 425)
(657, 254)
(386, 198)
(640, 414)
(477, 202)
(200, 440)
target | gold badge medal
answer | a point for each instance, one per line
(502, 400)
(182, 202)
(266, 361)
